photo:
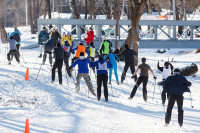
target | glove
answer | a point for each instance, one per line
(154, 77)
(70, 67)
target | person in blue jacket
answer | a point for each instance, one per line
(83, 71)
(68, 50)
(102, 76)
(112, 57)
(175, 86)
(16, 36)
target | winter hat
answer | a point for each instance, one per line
(91, 28)
(66, 43)
(68, 33)
(44, 28)
(110, 51)
(143, 60)
(177, 70)
(58, 44)
(100, 57)
(64, 33)
(11, 37)
(166, 64)
(126, 46)
(81, 42)
(81, 54)
(92, 43)
(16, 29)
(116, 51)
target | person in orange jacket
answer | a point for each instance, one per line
(90, 36)
(80, 48)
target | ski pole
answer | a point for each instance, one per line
(35, 62)
(22, 54)
(39, 71)
(22, 57)
(112, 89)
(154, 89)
(191, 100)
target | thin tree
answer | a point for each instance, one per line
(136, 8)
(117, 17)
(2, 29)
(107, 9)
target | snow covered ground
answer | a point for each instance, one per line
(58, 109)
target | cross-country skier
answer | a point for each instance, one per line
(80, 48)
(59, 56)
(68, 50)
(112, 57)
(48, 48)
(102, 76)
(56, 35)
(43, 37)
(106, 45)
(166, 72)
(13, 50)
(143, 78)
(92, 52)
(67, 37)
(16, 35)
(90, 36)
(129, 61)
(175, 86)
(83, 71)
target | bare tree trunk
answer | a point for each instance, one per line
(74, 13)
(135, 15)
(92, 9)
(117, 16)
(156, 3)
(49, 11)
(181, 16)
(30, 16)
(107, 8)
(2, 29)
(86, 8)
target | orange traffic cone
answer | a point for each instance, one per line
(27, 74)
(27, 127)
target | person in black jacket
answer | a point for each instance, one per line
(48, 47)
(59, 56)
(129, 61)
(56, 35)
(166, 72)
(68, 50)
(175, 85)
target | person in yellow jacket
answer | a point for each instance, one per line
(67, 37)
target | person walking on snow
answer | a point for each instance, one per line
(43, 37)
(68, 50)
(102, 76)
(48, 47)
(92, 53)
(175, 86)
(106, 45)
(59, 56)
(13, 50)
(90, 36)
(166, 72)
(129, 61)
(83, 71)
(16, 35)
(143, 78)
(56, 35)
(112, 57)
(80, 48)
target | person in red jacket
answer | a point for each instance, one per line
(90, 36)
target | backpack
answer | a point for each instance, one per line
(16, 37)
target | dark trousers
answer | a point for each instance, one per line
(11, 53)
(18, 45)
(144, 80)
(57, 64)
(127, 65)
(179, 101)
(102, 78)
(66, 60)
(45, 56)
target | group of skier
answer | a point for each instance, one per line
(174, 85)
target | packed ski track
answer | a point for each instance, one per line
(54, 108)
